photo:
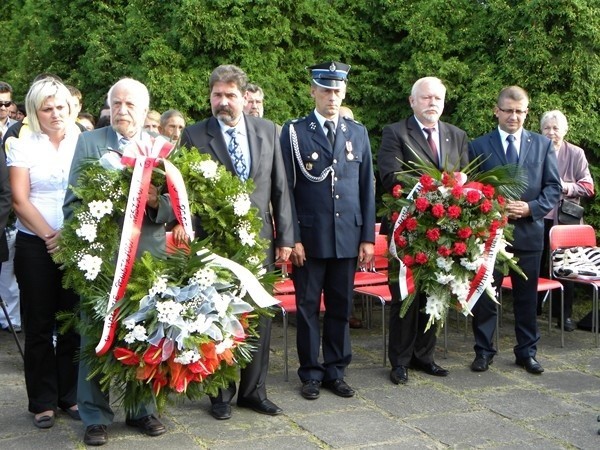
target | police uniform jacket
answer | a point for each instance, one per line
(334, 215)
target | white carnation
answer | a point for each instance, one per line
(241, 204)
(159, 286)
(91, 265)
(169, 311)
(100, 209)
(87, 231)
(246, 237)
(208, 169)
(204, 278)
(138, 333)
(187, 357)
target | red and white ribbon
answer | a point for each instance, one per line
(143, 158)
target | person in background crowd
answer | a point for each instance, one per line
(576, 183)
(5, 105)
(39, 164)
(86, 120)
(11, 301)
(511, 144)
(424, 139)
(21, 113)
(254, 101)
(152, 122)
(171, 125)
(330, 177)
(129, 100)
(12, 111)
(248, 147)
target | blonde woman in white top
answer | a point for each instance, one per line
(39, 165)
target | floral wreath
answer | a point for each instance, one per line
(184, 323)
(450, 232)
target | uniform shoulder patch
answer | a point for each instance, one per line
(299, 119)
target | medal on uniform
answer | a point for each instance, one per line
(349, 154)
(308, 166)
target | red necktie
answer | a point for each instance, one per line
(432, 145)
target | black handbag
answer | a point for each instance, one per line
(569, 213)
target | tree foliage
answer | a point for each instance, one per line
(550, 48)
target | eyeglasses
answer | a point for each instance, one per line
(5, 104)
(510, 112)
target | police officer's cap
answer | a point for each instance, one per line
(330, 75)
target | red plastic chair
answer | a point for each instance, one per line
(566, 236)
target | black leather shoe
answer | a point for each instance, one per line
(220, 411)
(265, 407)
(569, 324)
(339, 387)
(399, 375)
(531, 365)
(481, 363)
(310, 389)
(95, 435)
(149, 425)
(431, 368)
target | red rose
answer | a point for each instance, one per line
(444, 251)
(400, 241)
(473, 196)
(459, 248)
(433, 234)
(448, 179)
(408, 260)
(421, 203)
(397, 191)
(454, 211)
(426, 181)
(457, 191)
(438, 211)
(488, 190)
(411, 223)
(501, 200)
(486, 206)
(421, 258)
(464, 233)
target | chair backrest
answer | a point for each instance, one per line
(565, 236)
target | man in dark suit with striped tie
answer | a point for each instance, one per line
(423, 139)
(249, 147)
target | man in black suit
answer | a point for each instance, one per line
(249, 147)
(422, 138)
(330, 173)
(511, 143)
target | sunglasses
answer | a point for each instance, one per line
(5, 104)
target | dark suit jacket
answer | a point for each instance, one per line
(331, 222)
(5, 205)
(90, 147)
(538, 159)
(403, 143)
(399, 138)
(270, 195)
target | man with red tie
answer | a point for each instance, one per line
(422, 139)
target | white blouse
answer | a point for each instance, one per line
(48, 172)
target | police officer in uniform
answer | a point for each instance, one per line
(330, 173)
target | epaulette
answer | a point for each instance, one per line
(350, 119)
(299, 119)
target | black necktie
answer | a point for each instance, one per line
(432, 146)
(511, 151)
(330, 131)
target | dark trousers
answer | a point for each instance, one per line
(525, 310)
(50, 372)
(335, 279)
(408, 340)
(252, 377)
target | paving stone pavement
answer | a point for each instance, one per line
(504, 408)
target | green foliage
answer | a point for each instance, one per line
(550, 48)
